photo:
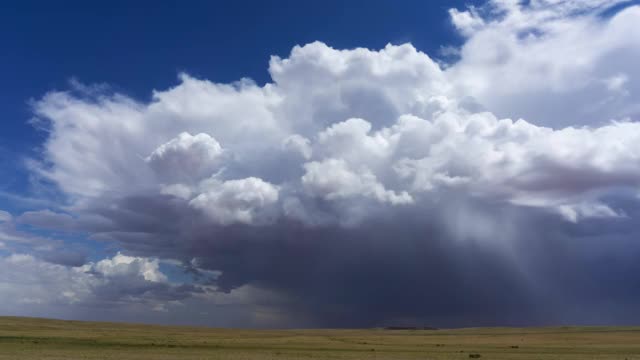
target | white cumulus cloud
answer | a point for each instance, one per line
(244, 201)
(388, 125)
(186, 157)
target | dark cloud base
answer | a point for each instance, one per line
(404, 268)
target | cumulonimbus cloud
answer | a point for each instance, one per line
(534, 125)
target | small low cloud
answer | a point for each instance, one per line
(5, 216)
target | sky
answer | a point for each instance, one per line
(299, 164)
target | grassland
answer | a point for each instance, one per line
(28, 338)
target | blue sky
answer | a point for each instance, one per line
(142, 47)
(432, 149)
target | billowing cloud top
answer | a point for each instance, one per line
(370, 163)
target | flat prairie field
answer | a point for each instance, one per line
(30, 338)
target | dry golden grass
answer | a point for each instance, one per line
(28, 338)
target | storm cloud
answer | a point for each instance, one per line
(367, 187)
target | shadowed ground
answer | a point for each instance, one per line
(29, 338)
